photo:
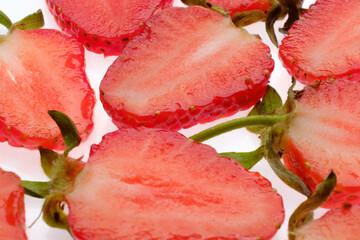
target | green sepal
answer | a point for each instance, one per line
(5, 20)
(274, 14)
(36, 189)
(68, 130)
(270, 139)
(246, 159)
(49, 161)
(245, 18)
(303, 213)
(267, 106)
(33, 21)
(293, 8)
(53, 212)
(207, 4)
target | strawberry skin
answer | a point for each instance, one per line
(319, 47)
(234, 6)
(324, 135)
(42, 70)
(104, 26)
(190, 65)
(12, 210)
(156, 184)
(337, 224)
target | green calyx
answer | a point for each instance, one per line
(61, 171)
(304, 213)
(33, 21)
(270, 118)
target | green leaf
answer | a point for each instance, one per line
(49, 161)
(207, 4)
(245, 18)
(293, 15)
(33, 21)
(267, 106)
(53, 212)
(36, 189)
(246, 159)
(68, 130)
(304, 212)
(5, 20)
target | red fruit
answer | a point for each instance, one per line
(324, 135)
(156, 184)
(104, 26)
(12, 211)
(342, 223)
(42, 70)
(319, 47)
(234, 6)
(190, 65)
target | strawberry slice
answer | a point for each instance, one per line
(190, 65)
(42, 70)
(324, 135)
(339, 223)
(320, 47)
(156, 184)
(104, 26)
(12, 216)
(234, 6)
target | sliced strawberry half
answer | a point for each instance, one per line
(234, 6)
(104, 26)
(156, 184)
(320, 47)
(12, 210)
(342, 223)
(42, 70)
(190, 65)
(324, 135)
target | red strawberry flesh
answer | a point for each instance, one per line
(342, 223)
(104, 26)
(234, 6)
(12, 215)
(156, 184)
(320, 47)
(42, 70)
(324, 135)
(189, 65)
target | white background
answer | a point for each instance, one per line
(26, 162)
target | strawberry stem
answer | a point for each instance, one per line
(5, 20)
(257, 120)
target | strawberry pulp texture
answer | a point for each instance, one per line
(42, 70)
(12, 210)
(341, 223)
(190, 65)
(324, 135)
(104, 26)
(156, 184)
(234, 6)
(320, 47)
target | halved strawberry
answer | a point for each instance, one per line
(234, 6)
(156, 184)
(337, 224)
(104, 26)
(323, 135)
(42, 70)
(320, 47)
(190, 65)
(12, 210)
